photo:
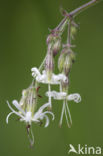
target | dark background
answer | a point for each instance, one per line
(24, 28)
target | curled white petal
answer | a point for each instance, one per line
(43, 78)
(76, 97)
(43, 107)
(48, 112)
(59, 77)
(42, 115)
(7, 118)
(47, 121)
(38, 113)
(35, 72)
(56, 95)
(17, 113)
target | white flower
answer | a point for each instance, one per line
(43, 78)
(65, 109)
(28, 116)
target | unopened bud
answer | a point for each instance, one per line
(55, 40)
(61, 61)
(67, 64)
(56, 46)
(50, 38)
(65, 60)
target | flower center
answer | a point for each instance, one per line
(28, 116)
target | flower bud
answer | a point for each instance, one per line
(65, 60)
(56, 46)
(50, 38)
(67, 64)
(55, 41)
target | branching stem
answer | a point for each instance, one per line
(75, 12)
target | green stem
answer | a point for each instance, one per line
(42, 64)
(82, 8)
(69, 34)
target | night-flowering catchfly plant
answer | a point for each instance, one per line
(28, 109)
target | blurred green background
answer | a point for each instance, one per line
(24, 28)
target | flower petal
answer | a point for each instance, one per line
(57, 95)
(17, 105)
(76, 97)
(48, 112)
(7, 118)
(35, 72)
(37, 114)
(14, 111)
(47, 121)
(43, 78)
(58, 78)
